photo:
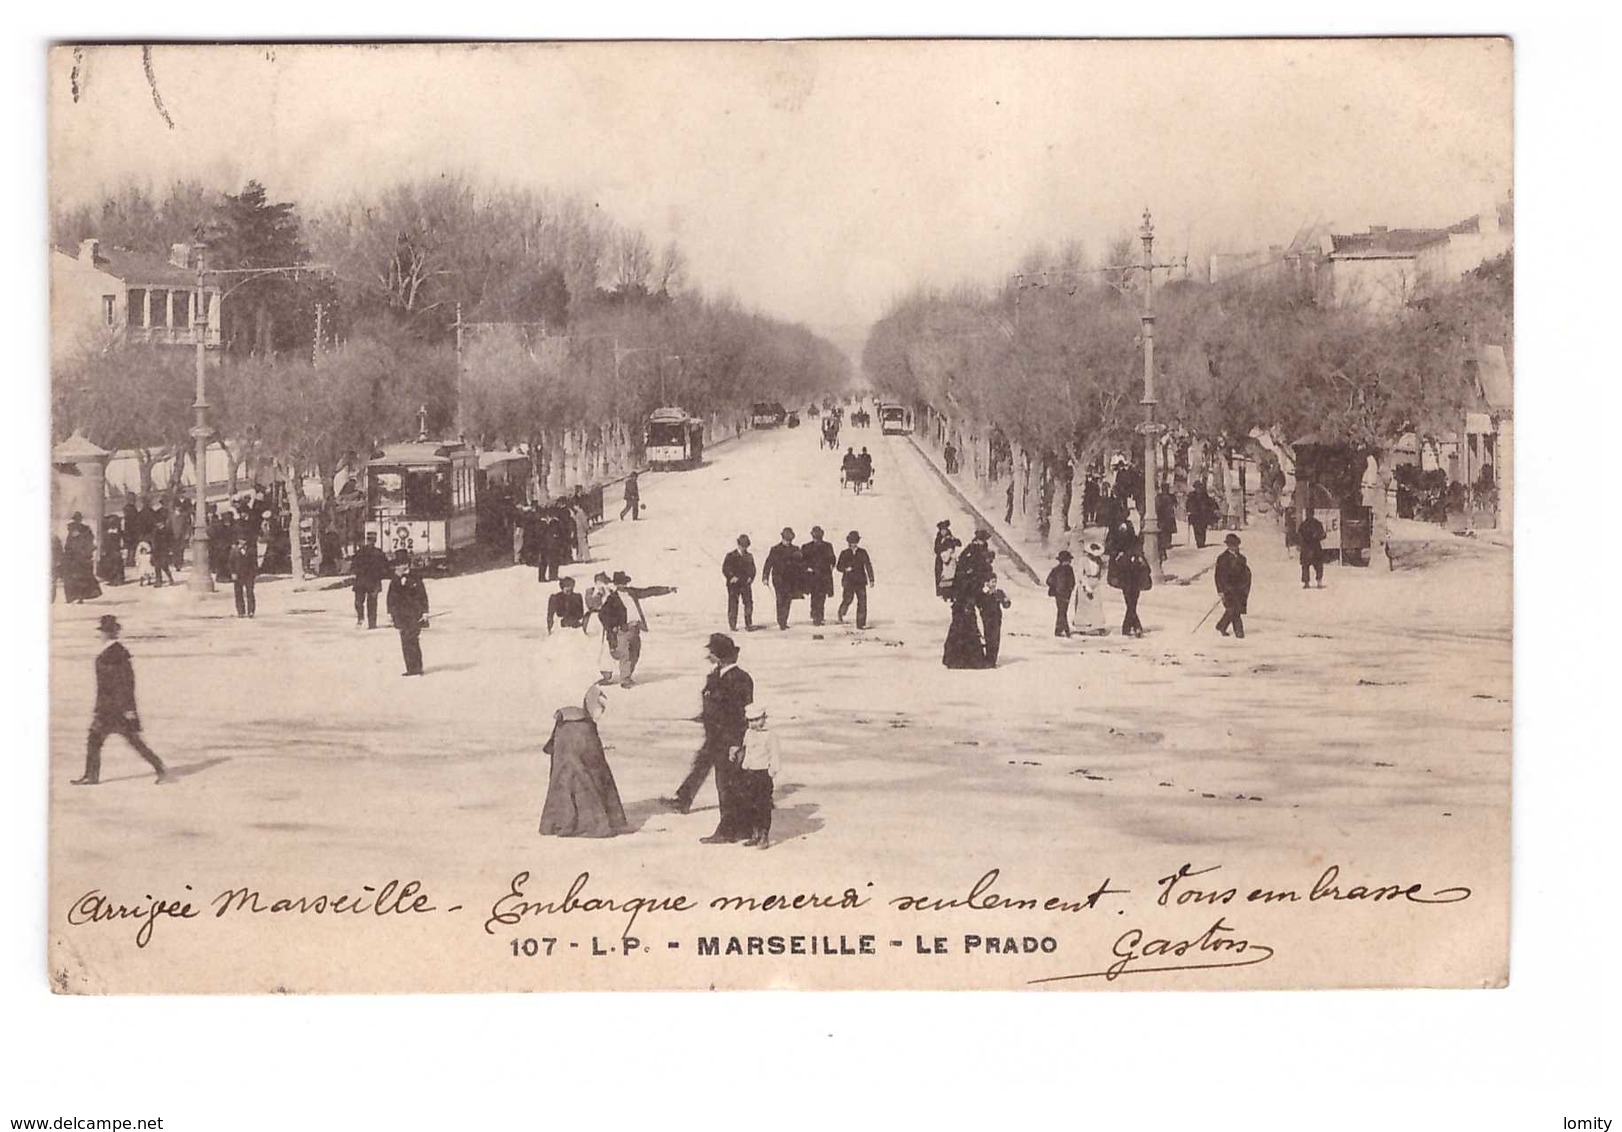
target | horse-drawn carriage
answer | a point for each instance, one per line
(856, 472)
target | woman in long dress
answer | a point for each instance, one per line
(582, 799)
(1088, 618)
(964, 648)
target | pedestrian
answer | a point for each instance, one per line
(817, 562)
(633, 498)
(132, 531)
(369, 567)
(738, 569)
(943, 538)
(964, 648)
(1201, 512)
(244, 572)
(624, 624)
(864, 467)
(115, 712)
(1129, 572)
(79, 562)
(1061, 584)
(565, 607)
(728, 692)
(1165, 521)
(855, 576)
(408, 609)
(974, 565)
(1088, 619)
(1233, 586)
(595, 596)
(163, 542)
(1089, 500)
(1008, 512)
(518, 538)
(990, 603)
(582, 799)
(758, 765)
(782, 571)
(1311, 533)
(582, 530)
(331, 551)
(949, 454)
(143, 566)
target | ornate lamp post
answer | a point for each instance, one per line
(1151, 441)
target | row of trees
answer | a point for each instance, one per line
(1056, 371)
(516, 316)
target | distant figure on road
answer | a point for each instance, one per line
(738, 568)
(817, 561)
(864, 466)
(855, 575)
(1202, 512)
(582, 530)
(115, 712)
(582, 799)
(1311, 533)
(633, 498)
(111, 564)
(1008, 513)
(949, 454)
(1165, 520)
(1061, 584)
(244, 572)
(784, 574)
(1129, 572)
(163, 545)
(1090, 497)
(565, 607)
(79, 562)
(369, 567)
(624, 624)
(408, 609)
(1233, 584)
(943, 540)
(518, 537)
(991, 602)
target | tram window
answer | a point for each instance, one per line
(421, 495)
(388, 490)
(667, 434)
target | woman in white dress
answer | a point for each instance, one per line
(1087, 617)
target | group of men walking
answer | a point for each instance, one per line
(796, 571)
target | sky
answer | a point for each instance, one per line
(818, 181)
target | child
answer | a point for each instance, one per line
(761, 760)
(143, 562)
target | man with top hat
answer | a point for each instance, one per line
(1233, 585)
(115, 712)
(408, 609)
(783, 573)
(855, 575)
(738, 568)
(1061, 584)
(369, 567)
(817, 560)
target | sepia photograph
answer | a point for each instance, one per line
(824, 515)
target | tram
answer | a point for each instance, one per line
(422, 498)
(673, 439)
(767, 414)
(895, 420)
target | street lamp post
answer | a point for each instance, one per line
(1151, 444)
(202, 577)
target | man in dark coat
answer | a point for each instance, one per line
(565, 607)
(728, 692)
(162, 538)
(738, 568)
(1202, 513)
(1089, 500)
(369, 567)
(974, 566)
(783, 573)
(408, 609)
(1166, 520)
(855, 575)
(1311, 533)
(1233, 584)
(633, 497)
(991, 601)
(244, 572)
(817, 560)
(79, 562)
(1061, 587)
(115, 712)
(133, 531)
(864, 466)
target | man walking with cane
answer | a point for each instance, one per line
(1233, 584)
(115, 712)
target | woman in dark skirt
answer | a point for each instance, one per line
(581, 798)
(964, 648)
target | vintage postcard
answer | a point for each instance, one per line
(885, 515)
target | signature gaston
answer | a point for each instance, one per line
(1218, 946)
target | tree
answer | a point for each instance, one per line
(273, 313)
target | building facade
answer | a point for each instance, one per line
(101, 295)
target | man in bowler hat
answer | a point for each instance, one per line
(115, 712)
(408, 609)
(1233, 584)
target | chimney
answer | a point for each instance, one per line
(88, 250)
(180, 255)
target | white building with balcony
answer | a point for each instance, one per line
(100, 295)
